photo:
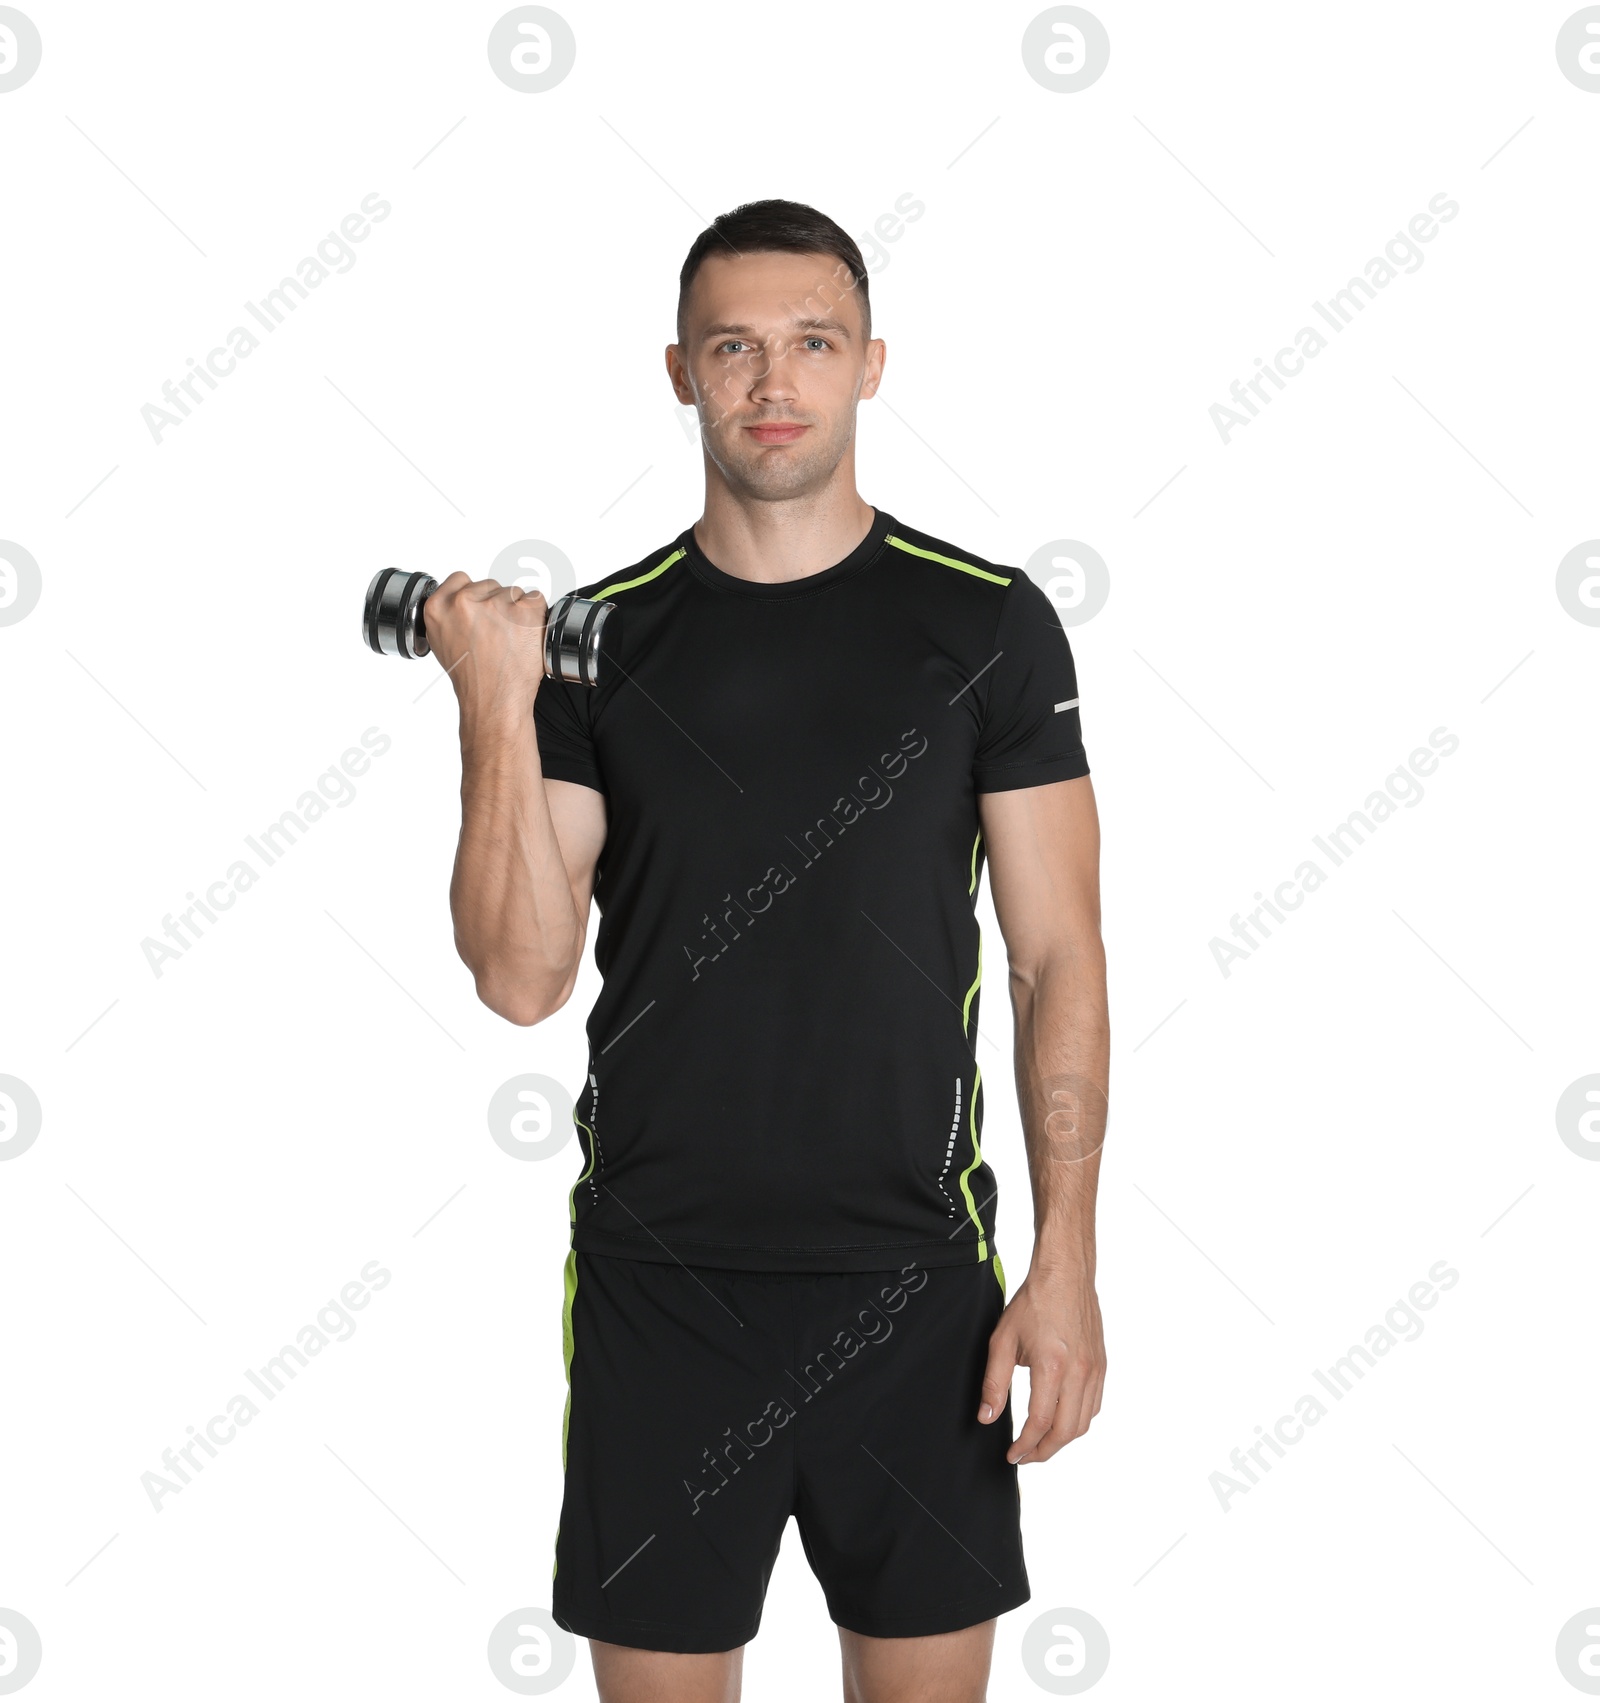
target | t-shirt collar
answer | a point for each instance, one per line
(864, 552)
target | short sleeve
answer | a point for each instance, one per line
(561, 726)
(1031, 732)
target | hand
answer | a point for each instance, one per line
(1051, 1326)
(489, 638)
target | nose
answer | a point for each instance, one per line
(772, 380)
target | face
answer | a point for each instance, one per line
(774, 359)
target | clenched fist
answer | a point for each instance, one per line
(489, 638)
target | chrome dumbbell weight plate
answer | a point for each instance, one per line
(392, 619)
(572, 638)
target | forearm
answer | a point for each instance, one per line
(1044, 850)
(1063, 1046)
(516, 925)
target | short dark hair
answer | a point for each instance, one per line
(788, 227)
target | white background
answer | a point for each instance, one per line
(1291, 1149)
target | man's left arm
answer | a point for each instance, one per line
(1043, 847)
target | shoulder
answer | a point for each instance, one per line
(978, 596)
(923, 553)
(939, 574)
(651, 572)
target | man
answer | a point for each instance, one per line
(784, 1294)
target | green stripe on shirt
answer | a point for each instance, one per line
(629, 584)
(947, 561)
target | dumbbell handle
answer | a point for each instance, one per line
(392, 624)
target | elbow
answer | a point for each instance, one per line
(522, 988)
(524, 1006)
(1034, 964)
(1026, 971)
(521, 1008)
(523, 1015)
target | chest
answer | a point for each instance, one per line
(733, 711)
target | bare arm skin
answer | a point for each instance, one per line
(1044, 860)
(524, 872)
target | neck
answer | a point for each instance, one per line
(784, 540)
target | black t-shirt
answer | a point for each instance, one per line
(784, 1058)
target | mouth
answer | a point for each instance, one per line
(776, 434)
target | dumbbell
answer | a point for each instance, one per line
(392, 624)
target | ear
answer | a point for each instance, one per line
(877, 353)
(677, 374)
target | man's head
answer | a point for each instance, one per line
(775, 346)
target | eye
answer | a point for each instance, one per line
(722, 348)
(818, 342)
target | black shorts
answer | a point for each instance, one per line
(706, 1406)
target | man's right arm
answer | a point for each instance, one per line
(524, 872)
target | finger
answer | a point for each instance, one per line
(515, 593)
(1066, 1421)
(1080, 1402)
(1088, 1402)
(1096, 1390)
(996, 1390)
(1042, 1400)
(485, 590)
(524, 608)
(509, 603)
